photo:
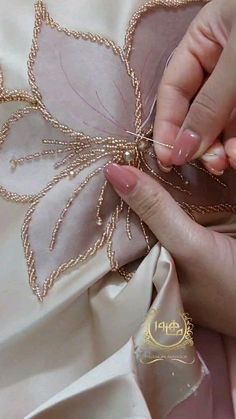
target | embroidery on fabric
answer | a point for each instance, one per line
(147, 7)
(77, 155)
(14, 95)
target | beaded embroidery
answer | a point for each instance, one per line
(66, 162)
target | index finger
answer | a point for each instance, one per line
(195, 56)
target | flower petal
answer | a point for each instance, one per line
(60, 227)
(82, 80)
(21, 137)
(154, 32)
(196, 190)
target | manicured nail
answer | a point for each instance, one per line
(215, 171)
(121, 178)
(165, 169)
(210, 156)
(185, 147)
(217, 154)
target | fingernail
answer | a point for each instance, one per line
(121, 178)
(185, 147)
(165, 169)
(217, 154)
(210, 156)
(215, 171)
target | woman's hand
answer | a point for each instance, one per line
(205, 260)
(197, 95)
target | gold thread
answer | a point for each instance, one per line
(98, 147)
(42, 15)
(68, 205)
(99, 204)
(29, 254)
(215, 178)
(17, 96)
(142, 137)
(207, 209)
(125, 274)
(13, 196)
(114, 220)
(146, 236)
(128, 229)
(160, 178)
(180, 175)
(143, 10)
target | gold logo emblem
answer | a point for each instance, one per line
(166, 339)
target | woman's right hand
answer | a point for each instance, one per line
(197, 95)
(205, 260)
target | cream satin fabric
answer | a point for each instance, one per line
(74, 355)
(107, 18)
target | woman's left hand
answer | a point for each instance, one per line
(205, 260)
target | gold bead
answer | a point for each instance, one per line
(143, 145)
(129, 156)
(13, 163)
(99, 221)
(72, 174)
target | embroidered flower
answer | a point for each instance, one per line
(92, 103)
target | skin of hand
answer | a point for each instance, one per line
(205, 260)
(196, 102)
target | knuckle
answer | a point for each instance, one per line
(170, 87)
(149, 206)
(204, 106)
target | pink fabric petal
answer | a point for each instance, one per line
(158, 32)
(195, 188)
(23, 137)
(84, 82)
(78, 233)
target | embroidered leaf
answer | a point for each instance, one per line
(83, 81)
(60, 227)
(154, 33)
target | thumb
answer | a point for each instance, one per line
(154, 205)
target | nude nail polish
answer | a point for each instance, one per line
(123, 179)
(163, 168)
(215, 171)
(186, 145)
